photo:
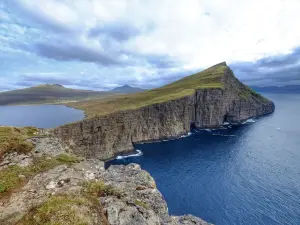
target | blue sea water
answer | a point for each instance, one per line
(41, 116)
(248, 175)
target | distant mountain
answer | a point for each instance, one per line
(126, 89)
(47, 93)
(276, 89)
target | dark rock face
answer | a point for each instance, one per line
(106, 136)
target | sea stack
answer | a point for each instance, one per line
(204, 100)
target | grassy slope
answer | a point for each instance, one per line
(47, 94)
(9, 132)
(210, 78)
(14, 139)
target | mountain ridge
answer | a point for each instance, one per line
(127, 89)
(52, 93)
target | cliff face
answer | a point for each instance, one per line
(105, 136)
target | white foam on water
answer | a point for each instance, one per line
(208, 130)
(249, 121)
(139, 153)
(226, 123)
(186, 135)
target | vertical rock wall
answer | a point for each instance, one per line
(106, 136)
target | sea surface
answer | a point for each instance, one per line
(248, 175)
(41, 116)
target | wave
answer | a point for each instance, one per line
(249, 121)
(139, 153)
(186, 135)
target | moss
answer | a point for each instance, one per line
(210, 78)
(68, 210)
(68, 158)
(99, 189)
(10, 178)
(141, 203)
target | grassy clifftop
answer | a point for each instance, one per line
(209, 78)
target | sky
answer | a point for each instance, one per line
(100, 44)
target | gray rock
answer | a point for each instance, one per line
(42, 186)
(135, 201)
(50, 146)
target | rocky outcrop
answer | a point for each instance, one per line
(106, 136)
(135, 199)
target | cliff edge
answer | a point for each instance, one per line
(45, 185)
(203, 100)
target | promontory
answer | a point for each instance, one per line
(206, 99)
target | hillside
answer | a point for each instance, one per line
(212, 77)
(126, 89)
(204, 100)
(47, 93)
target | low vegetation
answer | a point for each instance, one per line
(64, 209)
(14, 139)
(141, 203)
(210, 78)
(73, 209)
(14, 176)
(99, 189)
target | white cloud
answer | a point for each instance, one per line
(199, 33)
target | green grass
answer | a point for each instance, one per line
(24, 132)
(62, 209)
(141, 203)
(99, 189)
(10, 180)
(73, 209)
(210, 78)
(13, 139)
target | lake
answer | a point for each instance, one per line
(41, 116)
(247, 175)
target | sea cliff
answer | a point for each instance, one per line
(105, 136)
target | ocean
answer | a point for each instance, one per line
(249, 174)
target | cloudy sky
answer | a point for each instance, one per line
(101, 44)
